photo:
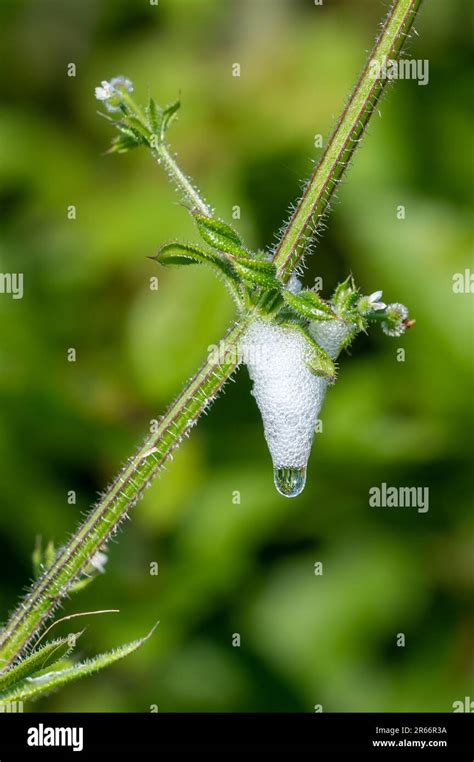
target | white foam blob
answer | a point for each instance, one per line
(288, 394)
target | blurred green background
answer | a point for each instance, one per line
(243, 568)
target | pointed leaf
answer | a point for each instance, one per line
(33, 687)
(155, 116)
(49, 554)
(42, 559)
(37, 557)
(321, 364)
(286, 315)
(126, 130)
(38, 660)
(258, 265)
(345, 295)
(308, 304)
(76, 587)
(124, 143)
(175, 253)
(219, 235)
(169, 113)
(189, 254)
(257, 272)
(139, 129)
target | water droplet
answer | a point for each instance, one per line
(289, 481)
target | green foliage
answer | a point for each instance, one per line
(30, 680)
(31, 666)
(42, 558)
(187, 254)
(307, 304)
(403, 422)
(166, 116)
(255, 272)
(254, 282)
(220, 236)
(137, 127)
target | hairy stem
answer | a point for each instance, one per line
(121, 496)
(344, 140)
(181, 181)
(103, 520)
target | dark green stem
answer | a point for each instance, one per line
(346, 136)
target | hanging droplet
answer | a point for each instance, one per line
(289, 481)
(287, 392)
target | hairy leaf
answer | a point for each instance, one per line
(188, 254)
(155, 116)
(139, 129)
(317, 360)
(345, 295)
(219, 235)
(42, 559)
(49, 654)
(169, 113)
(34, 687)
(124, 143)
(308, 304)
(257, 272)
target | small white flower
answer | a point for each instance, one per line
(110, 93)
(374, 300)
(371, 303)
(105, 91)
(122, 84)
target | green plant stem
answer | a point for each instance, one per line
(345, 138)
(122, 494)
(164, 157)
(103, 520)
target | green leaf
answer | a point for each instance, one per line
(139, 129)
(37, 557)
(155, 116)
(317, 360)
(286, 315)
(42, 559)
(308, 304)
(169, 113)
(49, 554)
(257, 272)
(124, 143)
(125, 130)
(175, 253)
(345, 296)
(258, 265)
(49, 654)
(219, 235)
(33, 687)
(76, 587)
(320, 363)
